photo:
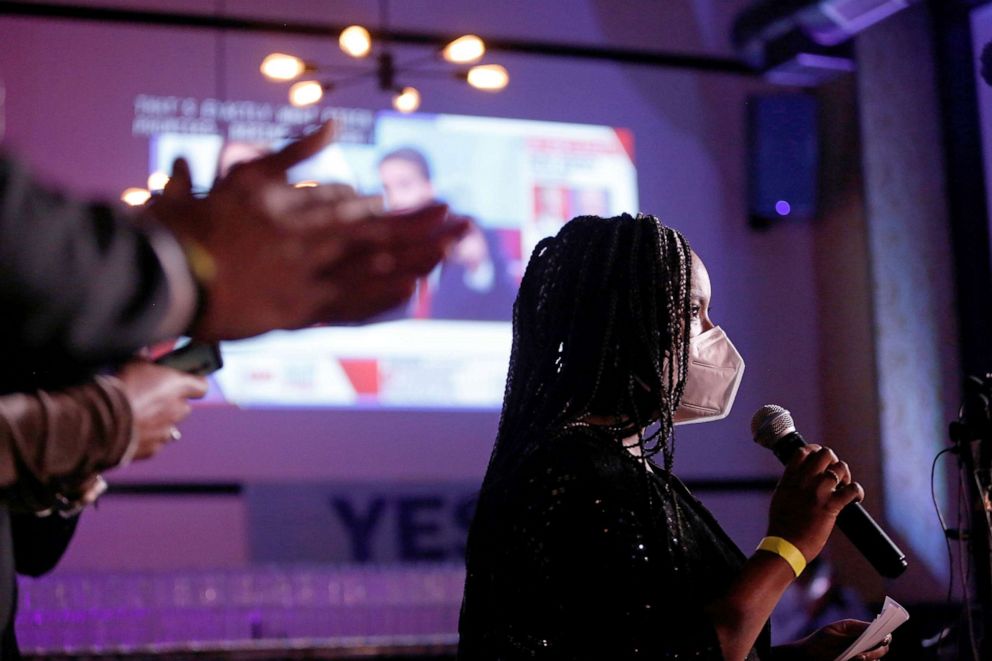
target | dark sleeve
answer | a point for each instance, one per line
(79, 285)
(53, 441)
(40, 542)
(607, 562)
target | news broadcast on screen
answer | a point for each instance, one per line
(517, 181)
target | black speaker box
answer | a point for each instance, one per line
(783, 156)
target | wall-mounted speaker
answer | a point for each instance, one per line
(783, 158)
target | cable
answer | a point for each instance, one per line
(943, 524)
(963, 571)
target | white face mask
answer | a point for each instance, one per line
(712, 378)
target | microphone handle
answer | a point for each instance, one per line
(855, 522)
(869, 538)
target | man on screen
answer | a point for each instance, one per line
(472, 282)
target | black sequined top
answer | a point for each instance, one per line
(584, 554)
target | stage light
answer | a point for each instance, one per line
(355, 41)
(488, 77)
(463, 50)
(783, 208)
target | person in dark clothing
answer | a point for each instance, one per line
(84, 285)
(54, 444)
(582, 546)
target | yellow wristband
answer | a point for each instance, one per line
(786, 550)
(201, 263)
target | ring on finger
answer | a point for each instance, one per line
(832, 474)
(175, 434)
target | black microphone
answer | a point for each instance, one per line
(773, 428)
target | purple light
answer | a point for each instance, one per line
(783, 208)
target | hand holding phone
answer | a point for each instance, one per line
(200, 358)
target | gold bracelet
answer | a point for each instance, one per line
(203, 268)
(201, 263)
(785, 550)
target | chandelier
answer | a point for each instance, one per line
(312, 80)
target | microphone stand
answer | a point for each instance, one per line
(972, 435)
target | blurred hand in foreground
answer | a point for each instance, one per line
(268, 255)
(159, 398)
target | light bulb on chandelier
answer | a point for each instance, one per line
(355, 41)
(280, 66)
(407, 100)
(488, 77)
(135, 197)
(306, 93)
(157, 180)
(465, 49)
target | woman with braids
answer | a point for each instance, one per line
(582, 546)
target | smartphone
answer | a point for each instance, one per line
(200, 358)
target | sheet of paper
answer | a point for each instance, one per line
(886, 622)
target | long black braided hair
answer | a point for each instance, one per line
(600, 328)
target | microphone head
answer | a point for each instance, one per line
(770, 423)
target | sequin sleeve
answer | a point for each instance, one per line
(591, 557)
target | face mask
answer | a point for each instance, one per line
(711, 381)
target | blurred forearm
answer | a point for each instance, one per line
(80, 284)
(51, 439)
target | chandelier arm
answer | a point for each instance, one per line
(350, 80)
(431, 57)
(434, 73)
(337, 68)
